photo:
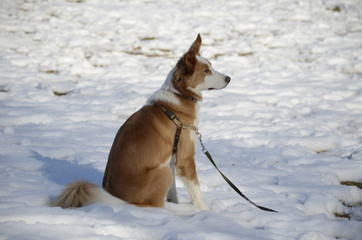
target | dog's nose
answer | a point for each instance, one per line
(227, 79)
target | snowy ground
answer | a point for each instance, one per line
(287, 130)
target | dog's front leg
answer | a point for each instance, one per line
(194, 190)
(191, 182)
(172, 193)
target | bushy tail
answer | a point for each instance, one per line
(83, 193)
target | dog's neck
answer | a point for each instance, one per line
(167, 85)
(169, 94)
(192, 99)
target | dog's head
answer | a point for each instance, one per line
(194, 73)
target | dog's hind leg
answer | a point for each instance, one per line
(159, 182)
(172, 193)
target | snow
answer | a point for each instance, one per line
(287, 130)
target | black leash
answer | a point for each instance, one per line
(180, 126)
(231, 184)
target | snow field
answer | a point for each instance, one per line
(287, 129)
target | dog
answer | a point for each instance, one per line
(140, 162)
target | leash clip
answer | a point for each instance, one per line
(204, 150)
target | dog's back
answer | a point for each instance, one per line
(135, 170)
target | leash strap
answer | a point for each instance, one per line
(231, 184)
(180, 126)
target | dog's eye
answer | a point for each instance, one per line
(207, 70)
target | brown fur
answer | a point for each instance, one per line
(134, 170)
(133, 173)
(142, 144)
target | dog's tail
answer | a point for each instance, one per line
(83, 193)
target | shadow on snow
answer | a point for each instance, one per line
(63, 172)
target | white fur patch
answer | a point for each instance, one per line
(214, 81)
(167, 163)
(195, 193)
(203, 60)
(163, 95)
(166, 92)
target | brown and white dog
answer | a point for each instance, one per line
(138, 169)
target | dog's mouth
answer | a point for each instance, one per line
(211, 89)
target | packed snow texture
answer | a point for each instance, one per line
(287, 130)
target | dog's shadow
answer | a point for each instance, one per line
(63, 172)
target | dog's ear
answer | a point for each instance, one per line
(190, 57)
(195, 47)
(190, 62)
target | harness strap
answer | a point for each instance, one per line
(179, 126)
